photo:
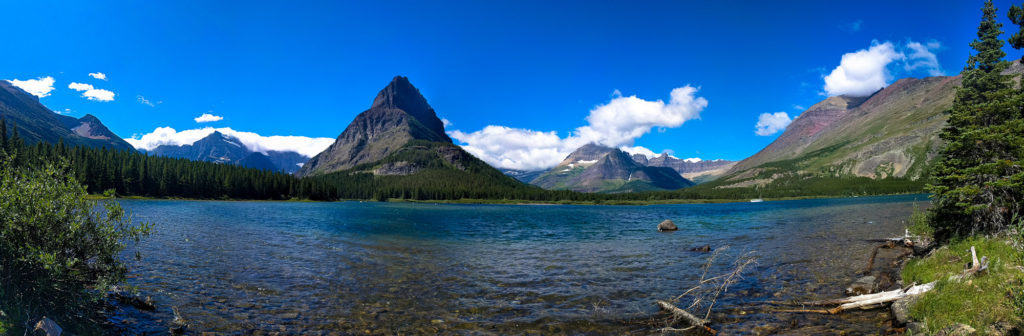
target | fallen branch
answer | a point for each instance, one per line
(977, 266)
(866, 300)
(680, 314)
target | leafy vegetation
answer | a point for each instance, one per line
(981, 302)
(58, 250)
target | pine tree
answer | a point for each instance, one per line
(974, 185)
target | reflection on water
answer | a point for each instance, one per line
(309, 268)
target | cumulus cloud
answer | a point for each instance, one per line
(862, 72)
(617, 123)
(91, 93)
(305, 146)
(632, 150)
(921, 56)
(446, 122)
(39, 87)
(865, 71)
(98, 75)
(206, 117)
(771, 123)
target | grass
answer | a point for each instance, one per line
(982, 301)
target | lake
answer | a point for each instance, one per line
(385, 268)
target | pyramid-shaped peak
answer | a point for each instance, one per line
(401, 94)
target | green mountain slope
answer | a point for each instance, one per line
(37, 123)
(849, 145)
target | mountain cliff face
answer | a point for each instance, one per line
(220, 148)
(399, 147)
(37, 123)
(398, 115)
(595, 168)
(892, 133)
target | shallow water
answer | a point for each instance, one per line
(385, 268)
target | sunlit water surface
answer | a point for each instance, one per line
(385, 268)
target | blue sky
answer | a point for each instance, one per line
(307, 68)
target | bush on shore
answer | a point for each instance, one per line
(58, 249)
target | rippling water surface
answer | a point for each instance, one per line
(384, 268)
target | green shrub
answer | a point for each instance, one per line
(58, 250)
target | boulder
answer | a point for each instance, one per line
(864, 285)
(958, 329)
(901, 310)
(667, 225)
(47, 327)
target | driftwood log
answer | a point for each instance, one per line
(682, 315)
(861, 301)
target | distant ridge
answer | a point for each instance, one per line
(221, 148)
(596, 168)
(37, 123)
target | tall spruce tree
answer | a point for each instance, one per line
(975, 189)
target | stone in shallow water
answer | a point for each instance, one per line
(667, 225)
(864, 285)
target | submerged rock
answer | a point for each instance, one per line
(864, 285)
(47, 327)
(178, 325)
(667, 225)
(125, 297)
(705, 248)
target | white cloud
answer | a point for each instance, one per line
(39, 87)
(206, 117)
(639, 150)
(771, 123)
(305, 146)
(922, 57)
(862, 72)
(446, 122)
(616, 124)
(98, 75)
(865, 71)
(142, 100)
(693, 160)
(91, 93)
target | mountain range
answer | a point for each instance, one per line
(36, 123)
(220, 148)
(596, 168)
(889, 135)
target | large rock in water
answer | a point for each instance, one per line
(398, 115)
(667, 225)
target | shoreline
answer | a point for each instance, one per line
(471, 201)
